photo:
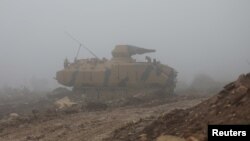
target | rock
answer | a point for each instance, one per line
(143, 137)
(241, 89)
(64, 103)
(169, 138)
(192, 139)
(196, 137)
(13, 116)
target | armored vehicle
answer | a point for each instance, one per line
(121, 72)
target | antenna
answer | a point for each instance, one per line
(80, 45)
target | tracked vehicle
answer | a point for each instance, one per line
(121, 75)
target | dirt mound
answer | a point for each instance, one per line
(230, 106)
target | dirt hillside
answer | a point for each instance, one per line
(230, 106)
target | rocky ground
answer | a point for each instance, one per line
(89, 126)
(63, 116)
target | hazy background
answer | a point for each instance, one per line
(195, 36)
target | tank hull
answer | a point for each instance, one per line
(121, 72)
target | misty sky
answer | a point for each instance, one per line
(193, 36)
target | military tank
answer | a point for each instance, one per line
(120, 73)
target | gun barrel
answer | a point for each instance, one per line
(142, 51)
(129, 50)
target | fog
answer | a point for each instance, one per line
(211, 37)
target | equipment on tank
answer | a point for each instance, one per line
(121, 72)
